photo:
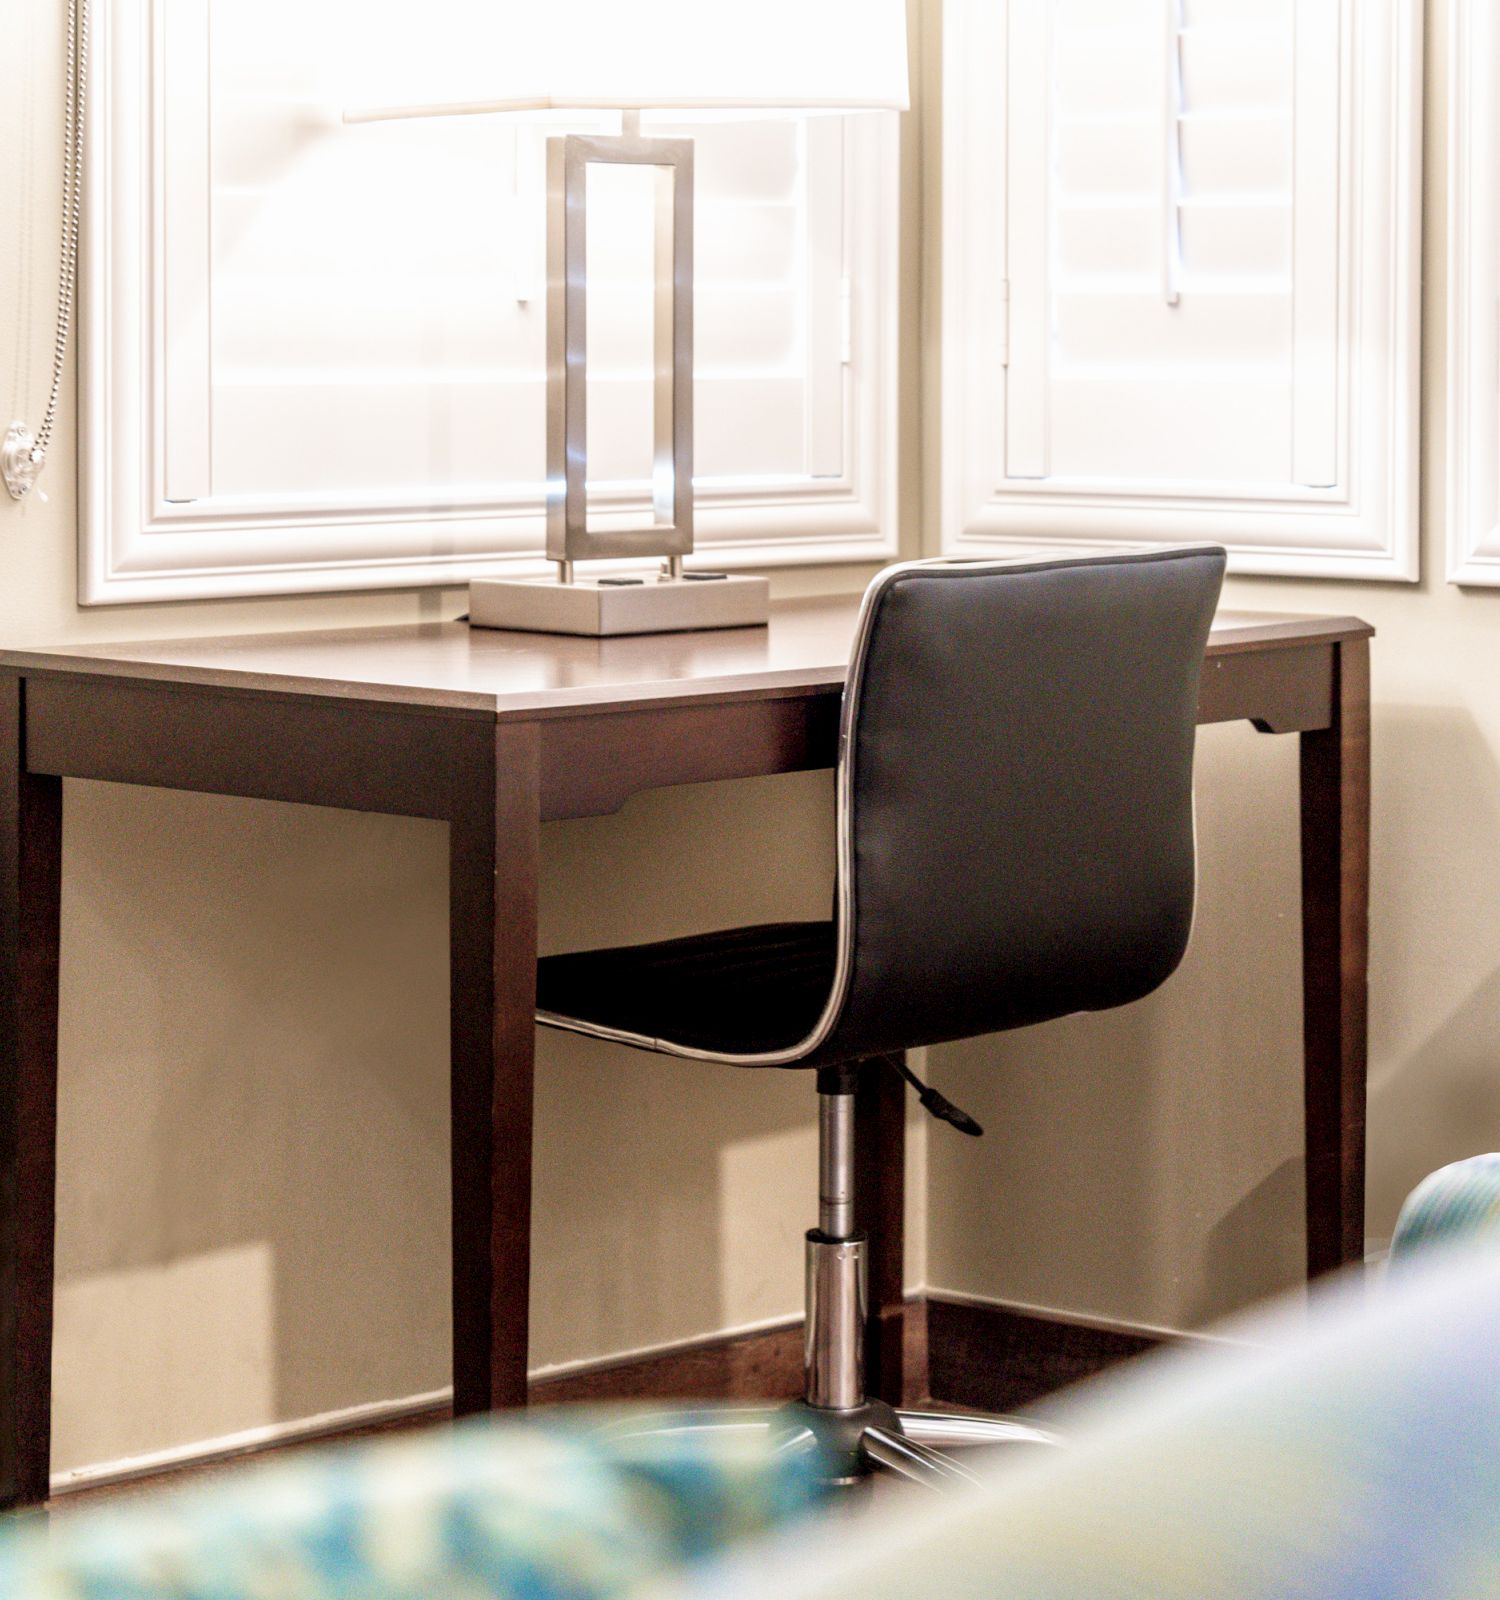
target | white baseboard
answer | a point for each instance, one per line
(203, 1451)
(1080, 1319)
(619, 1358)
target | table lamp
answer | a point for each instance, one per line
(633, 56)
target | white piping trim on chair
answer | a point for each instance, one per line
(844, 794)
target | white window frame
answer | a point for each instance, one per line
(1365, 527)
(137, 546)
(1473, 450)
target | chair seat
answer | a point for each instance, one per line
(738, 991)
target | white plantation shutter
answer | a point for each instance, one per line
(380, 300)
(344, 381)
(1473, 419)
(1181, 277)
(1152, 239)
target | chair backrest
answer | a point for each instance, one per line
(1015, 792)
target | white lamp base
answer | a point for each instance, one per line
(600, 608)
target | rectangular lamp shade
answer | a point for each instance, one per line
(630, 55)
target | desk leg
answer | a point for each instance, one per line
(1335, 949)
(880, 1211)
(30, 875)
(493, 851)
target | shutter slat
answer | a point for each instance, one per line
(486, 436)
(1316, 230)
(1220, 241)
(1241, 66)
(746, 328)
(1228, 425)
(1202, 331)
(1237, 155)
(1028, 138)
(188, 456)
(1180, 370)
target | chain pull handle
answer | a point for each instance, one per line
(22, 453)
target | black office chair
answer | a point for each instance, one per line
(1015, 842)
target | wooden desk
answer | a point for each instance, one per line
(495, 733)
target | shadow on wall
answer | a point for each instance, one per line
(1144, 1165)
(1435, 1034)
(253, 1117)
(253, 1206)
(670, 1198)
(1148, 1165)
(1255, 1249)
(676, 1193)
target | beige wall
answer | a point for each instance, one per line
(252, 1220)
(1146, 1166)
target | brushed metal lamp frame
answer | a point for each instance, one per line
(676, 599)
(569, 537)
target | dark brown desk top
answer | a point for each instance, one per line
(449, 666)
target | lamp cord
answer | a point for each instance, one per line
(26, 454)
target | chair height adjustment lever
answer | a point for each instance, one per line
(935, 1104)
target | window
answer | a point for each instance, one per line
(314, 352)
(1181, 270)
(1473, 285)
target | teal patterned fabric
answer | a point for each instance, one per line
(552, 1508)
(1454, 1204)
(1353, 1454)
(1349, 1453)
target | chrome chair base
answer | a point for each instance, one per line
(851, 1436)
(851, 1445)
(937, 1431)
(877, 1438)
